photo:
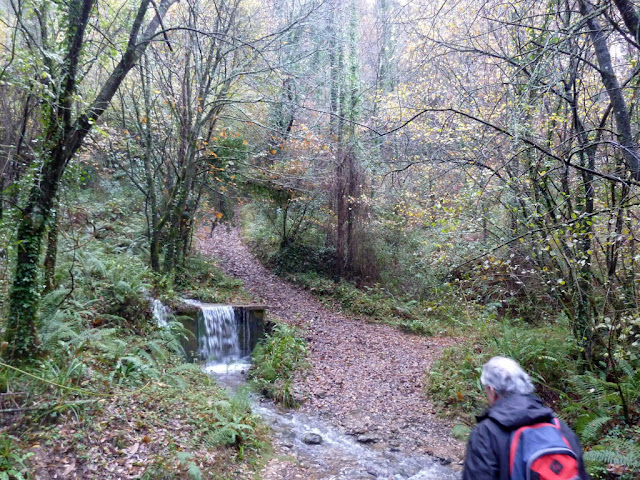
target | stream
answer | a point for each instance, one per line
(324, 452)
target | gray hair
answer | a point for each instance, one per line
(506, 377)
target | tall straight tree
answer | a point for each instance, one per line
(66, 123)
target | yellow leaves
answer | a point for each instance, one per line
(218, 215)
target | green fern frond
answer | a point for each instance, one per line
(59, 330)
(549, 358)
(157, 350)
(627, 368)
(95, 336)
(607, 456)
(591, 430)
(50, 303)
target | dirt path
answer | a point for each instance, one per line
(366, 379)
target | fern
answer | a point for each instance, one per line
(58, 330)
(50, 303)
(229, 430)
(591, 430)
(630, 459)
(170, 337)
(98, 338)
(157, 350)
(193, 470)
(590, 386)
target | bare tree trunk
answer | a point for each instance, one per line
(620, 111)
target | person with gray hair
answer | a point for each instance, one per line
(512, 405)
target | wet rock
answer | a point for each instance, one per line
(368, 438)
(311, 438)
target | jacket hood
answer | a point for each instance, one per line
(516, 411)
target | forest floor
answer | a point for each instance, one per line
(365, 378)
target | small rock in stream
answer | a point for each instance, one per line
(367, 438)
(312, 438)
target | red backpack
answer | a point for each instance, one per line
(541, 452)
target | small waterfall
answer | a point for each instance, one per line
(225, 338)
(161, 313)
(219, 341)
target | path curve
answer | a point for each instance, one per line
(365, 378)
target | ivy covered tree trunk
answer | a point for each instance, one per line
(51, 255)
(63, 137)
(21, 334)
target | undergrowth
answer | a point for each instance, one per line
(111, 391)
(441, 314)
(200, 278)
(276, 360)
(125, 387)
(588, 401)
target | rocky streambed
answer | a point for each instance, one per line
(308, 448)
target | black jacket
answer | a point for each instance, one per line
(488, 447)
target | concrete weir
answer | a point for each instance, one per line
(222, 335)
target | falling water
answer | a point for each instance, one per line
(224, 338)
(161, 313)
(219, 340)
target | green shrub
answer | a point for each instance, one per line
(546, 353)
(444, 315)
(299, 258)
(275, 362)
(233, 424)
(453, 382)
